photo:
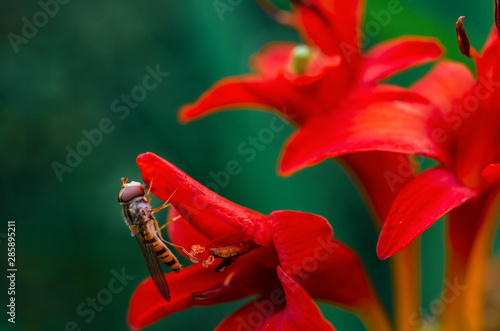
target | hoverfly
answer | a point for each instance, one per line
(138, 216)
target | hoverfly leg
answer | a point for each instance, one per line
(158, 228)
(149, 190)
(171, 221)
(165, 205)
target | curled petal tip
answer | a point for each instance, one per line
(216, 291)
(463, 40)
(383, 251)
(284, 173)
(183, 117)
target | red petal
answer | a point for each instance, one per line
(247, 91)
(446, 85)
(251, 274)
(324, 266)
(332, 25)
(490, 40)
(202, 208)
(487, 61)
(391, 57)
(421, 203)
(296, 236)
(184, 234)
(287, 309)
(395, 121)
(254, 315)
(275, 86)
(147, 306)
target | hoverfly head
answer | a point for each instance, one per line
(130, 191)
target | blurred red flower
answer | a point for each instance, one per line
(466, 126)
(331, 90)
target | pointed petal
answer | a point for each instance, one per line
(391, 57)
(395, 121)
(208, 212)
(147, 306)
(254, 90)
(286, 309)
(324, 266)
(421, 203)
(247, 91)
(332, 25)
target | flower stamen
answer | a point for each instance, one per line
(301, 57)
(463, 40)
(208, 261)
(231, 252)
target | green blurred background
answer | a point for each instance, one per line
(70, 235)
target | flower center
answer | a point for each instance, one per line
(300, 59)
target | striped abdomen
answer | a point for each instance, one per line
(161, 250)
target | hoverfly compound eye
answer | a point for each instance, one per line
(131, 191)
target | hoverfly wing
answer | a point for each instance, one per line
(154, 266)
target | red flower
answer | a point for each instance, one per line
(466, 126)
(467, 129)
(298, 260)
(331, 92)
